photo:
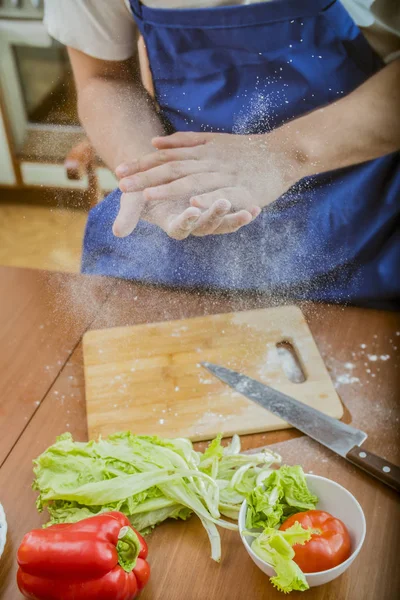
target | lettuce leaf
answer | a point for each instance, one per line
(275, 548)
(284, 492)
(264, 506)
(146, 521)
(297, 494)
(149, 479)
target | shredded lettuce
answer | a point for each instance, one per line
(149, 479)
(283, 492)
(277, 495)
(275, 548)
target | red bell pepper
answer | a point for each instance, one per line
(99, 558)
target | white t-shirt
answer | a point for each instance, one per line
(105, 28)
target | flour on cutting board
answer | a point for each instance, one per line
(280, 365)
(177, 332)
(276, 365)
(208, 417)
(205, 380)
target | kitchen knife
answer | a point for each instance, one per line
(335, 435)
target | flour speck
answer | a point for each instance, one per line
(349, 365)
(346, 379)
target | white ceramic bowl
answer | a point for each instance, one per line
(3, 530)
(339, 502)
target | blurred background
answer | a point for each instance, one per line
(49, 176)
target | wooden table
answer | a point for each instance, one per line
(42, 319)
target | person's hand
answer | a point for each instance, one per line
(177, 213)
(177, 218)
(249, 172)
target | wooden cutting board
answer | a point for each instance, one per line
(148, 378)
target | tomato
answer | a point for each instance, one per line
(329, 545)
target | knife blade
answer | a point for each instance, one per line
(339, 437)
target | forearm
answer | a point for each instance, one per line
(119, 119)
(359, 127)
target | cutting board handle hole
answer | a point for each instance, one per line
(290, 362)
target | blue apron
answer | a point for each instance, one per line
(247, 69)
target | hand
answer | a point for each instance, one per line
(249, 172)
(177, 213)
(177, 218)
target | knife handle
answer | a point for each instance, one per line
(376, 466)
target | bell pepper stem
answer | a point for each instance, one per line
(128, 548)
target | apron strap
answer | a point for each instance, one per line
(136, 7)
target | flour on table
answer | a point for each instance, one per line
(341, 372)
(349, 365)
(346, 379)
(309, 454)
